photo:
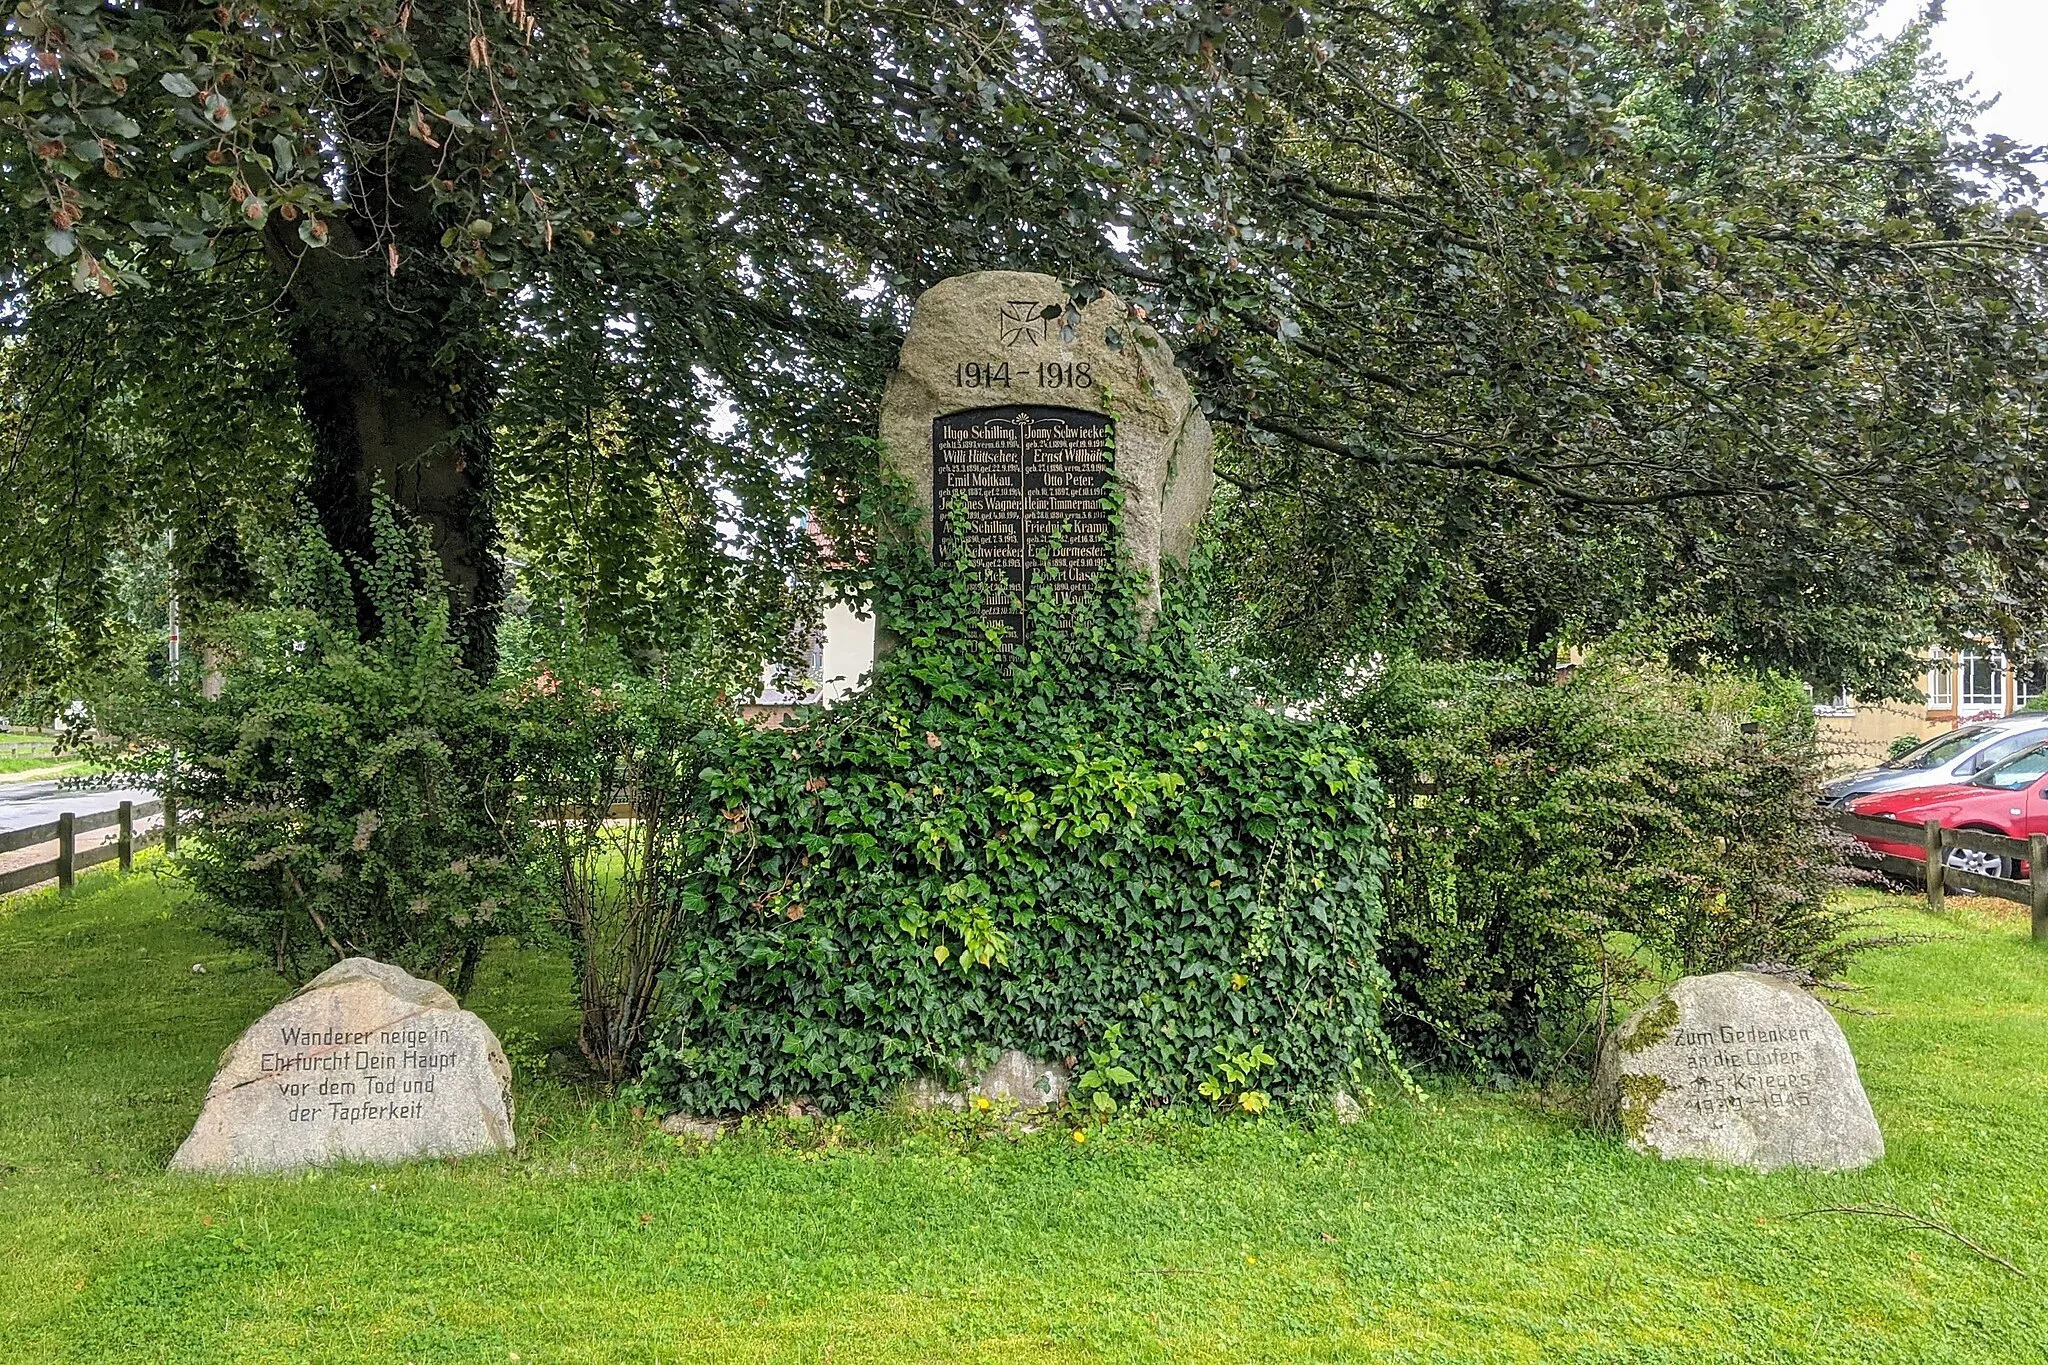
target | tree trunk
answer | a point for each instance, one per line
(396, 394)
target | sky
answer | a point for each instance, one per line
(2002, 46)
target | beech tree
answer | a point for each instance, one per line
(1566, 320)
(1522, 319)
(383, 218)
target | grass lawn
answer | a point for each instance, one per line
(1477, 1227)
(34, 757)
(39, 766)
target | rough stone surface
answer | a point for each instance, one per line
(690, 1126)
(1164, 458)
(1016, 1079)
(364, 1063)
(1349, 1110)
(1739, 1068)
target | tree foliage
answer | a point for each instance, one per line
(1549, 317)
(1522, 318)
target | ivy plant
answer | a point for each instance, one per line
(1094, 845)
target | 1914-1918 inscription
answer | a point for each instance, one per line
(1025, 492)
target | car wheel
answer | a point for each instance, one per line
(1979, 862)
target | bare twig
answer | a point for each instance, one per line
(1800, 976)
(1911, 1219)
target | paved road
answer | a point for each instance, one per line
(38, 803)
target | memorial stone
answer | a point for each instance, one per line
(1015, 418)
(1016, 1079)
(1741, 1068)
(364, 1063)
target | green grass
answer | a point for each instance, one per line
(1475, 1228)
(41, 767)
(38, 760)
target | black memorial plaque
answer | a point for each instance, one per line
(1031, 485)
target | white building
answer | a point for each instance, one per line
(840, 656)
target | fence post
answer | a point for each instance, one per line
(1930, 840)
(127, 844)
(2037, 883)
(67, 850)
(170, 822)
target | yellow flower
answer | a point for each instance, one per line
(1080, 1135)
(982, 1102)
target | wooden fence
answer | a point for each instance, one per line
(1931, 869)
(64, 831)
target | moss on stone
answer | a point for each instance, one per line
(1653, 1028)
(1639, 1095)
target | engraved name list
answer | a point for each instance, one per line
(1024, 492)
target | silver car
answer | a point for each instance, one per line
(1957, 756)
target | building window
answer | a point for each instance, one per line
(1982, 676)
(1941, 682)
(2028, 682)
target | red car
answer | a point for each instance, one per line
(2009, 798)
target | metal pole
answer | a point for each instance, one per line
(127, 840)
(171, 806)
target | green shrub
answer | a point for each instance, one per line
(1906, 744)
(342, 796)
(608, 760)
(1556, 844)
(1098, 850)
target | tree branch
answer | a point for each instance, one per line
(1912, 1220)
(1502, 468)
